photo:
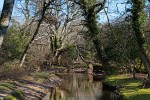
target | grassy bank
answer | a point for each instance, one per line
(132, 89)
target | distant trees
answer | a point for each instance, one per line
(68, 16)
(54, 23)
(41, 17)
(66, 31)
(5, 18)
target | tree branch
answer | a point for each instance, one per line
(45, 6)
(101, 4)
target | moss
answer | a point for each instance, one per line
(41, 77)
(18, 94)
(6, 86)
(38, 77)
(132, 89)
(7, 83)
(10, 97)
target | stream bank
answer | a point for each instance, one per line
(131, 88)
(36, 86)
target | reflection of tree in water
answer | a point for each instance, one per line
(79, 87)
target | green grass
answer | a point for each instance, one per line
(10, 86)
(6, 86)
(41, 77)
(18, 94)
(10, 97)
(131, 87)
(15, 95)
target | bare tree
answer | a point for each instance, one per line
(45, 6)
(64, 28)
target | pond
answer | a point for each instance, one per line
(81, 87)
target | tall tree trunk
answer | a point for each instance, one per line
(145, 59)
(138, 21)
(5, 18)
(100, 54)
(93, 34)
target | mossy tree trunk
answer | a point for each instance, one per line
(91, 8)
(139, 26)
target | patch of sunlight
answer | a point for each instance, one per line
(132, 94)
(144, 91)
(118, 79)
(133, 84)
(119, 76)
(29, 78)
(10, 97)
(40, 80)
(131, 90)
(128, 94)
(141, 94)
(114, 78)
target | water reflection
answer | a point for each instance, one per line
(81, 87)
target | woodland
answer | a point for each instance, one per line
(100, 37)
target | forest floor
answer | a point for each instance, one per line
(132, 89)
(32, 87)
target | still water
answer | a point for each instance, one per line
(81, 87)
